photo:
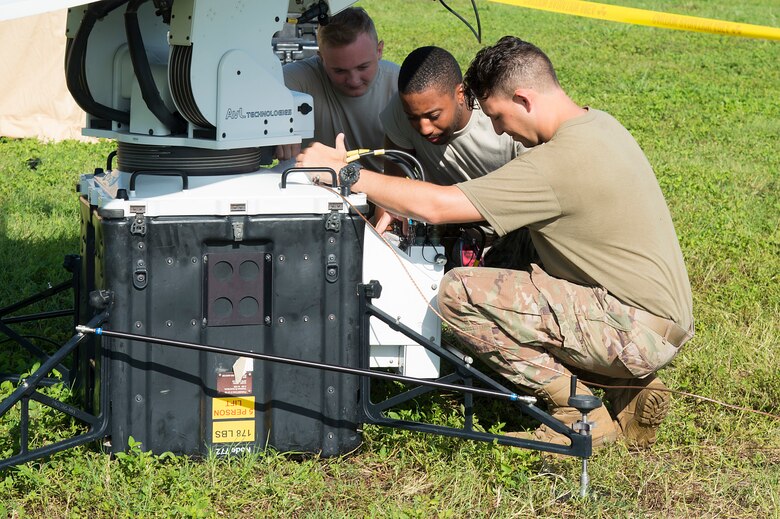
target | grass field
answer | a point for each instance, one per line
(705, 108)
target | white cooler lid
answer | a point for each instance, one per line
(258, 193)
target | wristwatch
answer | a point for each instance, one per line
(349, 174)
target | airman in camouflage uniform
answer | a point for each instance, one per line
(534, 330)
(531, 327)
(610, 299)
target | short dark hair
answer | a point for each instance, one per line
(509, 64)
(429, 67)
(345, 26)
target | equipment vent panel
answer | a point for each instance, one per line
(236, 288)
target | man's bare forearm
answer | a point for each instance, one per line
(418, 200)
(402, 196)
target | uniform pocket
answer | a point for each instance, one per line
(580, 317)
(600, 335)
(647, 352)
(639, 349)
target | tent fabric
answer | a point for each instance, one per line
(11, 9)
(34, 100)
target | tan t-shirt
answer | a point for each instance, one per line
(596, 214)
(472, 152)
(356, 117)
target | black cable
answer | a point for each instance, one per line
(75, 65)
(429, 243)
(413, 168)
(402, 155)
(143, 72)
(110, 160)
(405, 167)
(478, 33)
(480, 248)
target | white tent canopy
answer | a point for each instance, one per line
(11, 9)
(34, 100)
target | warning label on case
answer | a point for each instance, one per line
(227, 385)
(232, 407)
(233, 431)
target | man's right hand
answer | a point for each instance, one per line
(319, 155)
(286, 151)
(383, 220)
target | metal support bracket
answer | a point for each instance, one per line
(28, 390)
(466, 375)
(72, 264)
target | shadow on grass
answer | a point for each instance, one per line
(31, 267)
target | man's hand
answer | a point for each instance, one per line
(320, 156)
(286, 151)
(383, 220)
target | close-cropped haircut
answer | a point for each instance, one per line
(345, 27)
(509, 64)
(429, 67)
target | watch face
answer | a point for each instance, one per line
(349, 174)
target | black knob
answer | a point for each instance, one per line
(584, 403)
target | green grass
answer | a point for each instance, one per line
(704, 108)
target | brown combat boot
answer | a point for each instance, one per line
(556, 396)
(639, 412)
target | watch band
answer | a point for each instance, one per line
(349, 174)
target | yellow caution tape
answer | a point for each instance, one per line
(680, 22)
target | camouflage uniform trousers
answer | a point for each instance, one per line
(531, 327)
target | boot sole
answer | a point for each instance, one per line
(652, 406)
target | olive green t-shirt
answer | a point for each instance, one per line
(472, 151)
(356, 117)
(596, 214)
